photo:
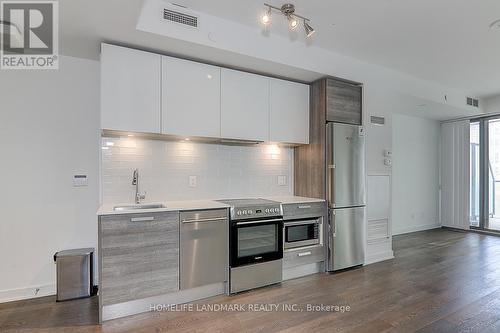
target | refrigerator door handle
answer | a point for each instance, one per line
(331, 236)
(331, 175)
(334, 231)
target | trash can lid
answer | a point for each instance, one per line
(74, 252)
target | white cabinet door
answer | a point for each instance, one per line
(190, 98)
(130, 89)
(244, 106)
(289, 119)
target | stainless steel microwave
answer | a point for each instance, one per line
(301, 233)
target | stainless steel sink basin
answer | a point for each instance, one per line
(139, 206)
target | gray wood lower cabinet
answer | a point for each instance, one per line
(138, 256)
(304, 210)
(303, 256)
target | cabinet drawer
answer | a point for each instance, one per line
(139, 256)
(303, 256)
(304, 210)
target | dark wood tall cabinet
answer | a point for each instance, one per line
(331, 100)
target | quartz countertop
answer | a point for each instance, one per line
(183, 205)
(293, 199)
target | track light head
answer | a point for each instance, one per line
(292, 22)
(309, 30)
(266, 17)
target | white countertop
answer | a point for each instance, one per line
(107, 209)
(293, 199)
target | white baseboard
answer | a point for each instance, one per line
(27, 293)
(377, 257)
(415, 229)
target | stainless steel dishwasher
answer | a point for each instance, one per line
(204, 247)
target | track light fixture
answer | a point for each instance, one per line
(288, 10)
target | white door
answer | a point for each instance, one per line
(190, 98)
(289, 120)
(130, 89)
(244, 106)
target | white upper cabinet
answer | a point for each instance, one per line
(130, 89)
(190, 98)
(289, 114)
(244, 106)
(151, 93)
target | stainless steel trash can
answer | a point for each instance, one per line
(74, 273)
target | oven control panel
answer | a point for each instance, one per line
(252, 212)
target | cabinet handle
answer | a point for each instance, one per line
(304, 206)
(214, 219)
(303, 254)
(142, 219)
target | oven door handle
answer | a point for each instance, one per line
(303, 222)
(260, 221)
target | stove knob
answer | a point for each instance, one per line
(266, 211)
(244, 212)
(276, 210)
(238, 213)
(250, 212)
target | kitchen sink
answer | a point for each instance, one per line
(139, 206)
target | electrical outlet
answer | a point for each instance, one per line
(282, 180)
(193, 181)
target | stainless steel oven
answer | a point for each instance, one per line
(256, 241)
(301, 233)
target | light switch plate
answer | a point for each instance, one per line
(282, 180)
(80, 180)
(387, 153)
(193, 181)
(388, 162)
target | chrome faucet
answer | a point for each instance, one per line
(135, 181)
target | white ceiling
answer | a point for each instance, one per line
(445, 41)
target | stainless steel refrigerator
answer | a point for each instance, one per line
(346, 195)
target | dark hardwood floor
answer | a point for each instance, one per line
(440, 281)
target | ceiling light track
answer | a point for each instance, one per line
(288, 10)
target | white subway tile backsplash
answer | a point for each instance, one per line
(165, 166)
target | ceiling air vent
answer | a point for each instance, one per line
(473, 102)
(181, 18)
(377, 120)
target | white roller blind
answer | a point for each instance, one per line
(455, 177)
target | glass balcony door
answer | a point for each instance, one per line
(493, 219)
(475, 167)
(485, 174)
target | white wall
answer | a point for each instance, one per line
(415, 172)
(49, 124)
(492, 104)
(165, 167)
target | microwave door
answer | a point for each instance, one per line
(345, 165)
(298, 234)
